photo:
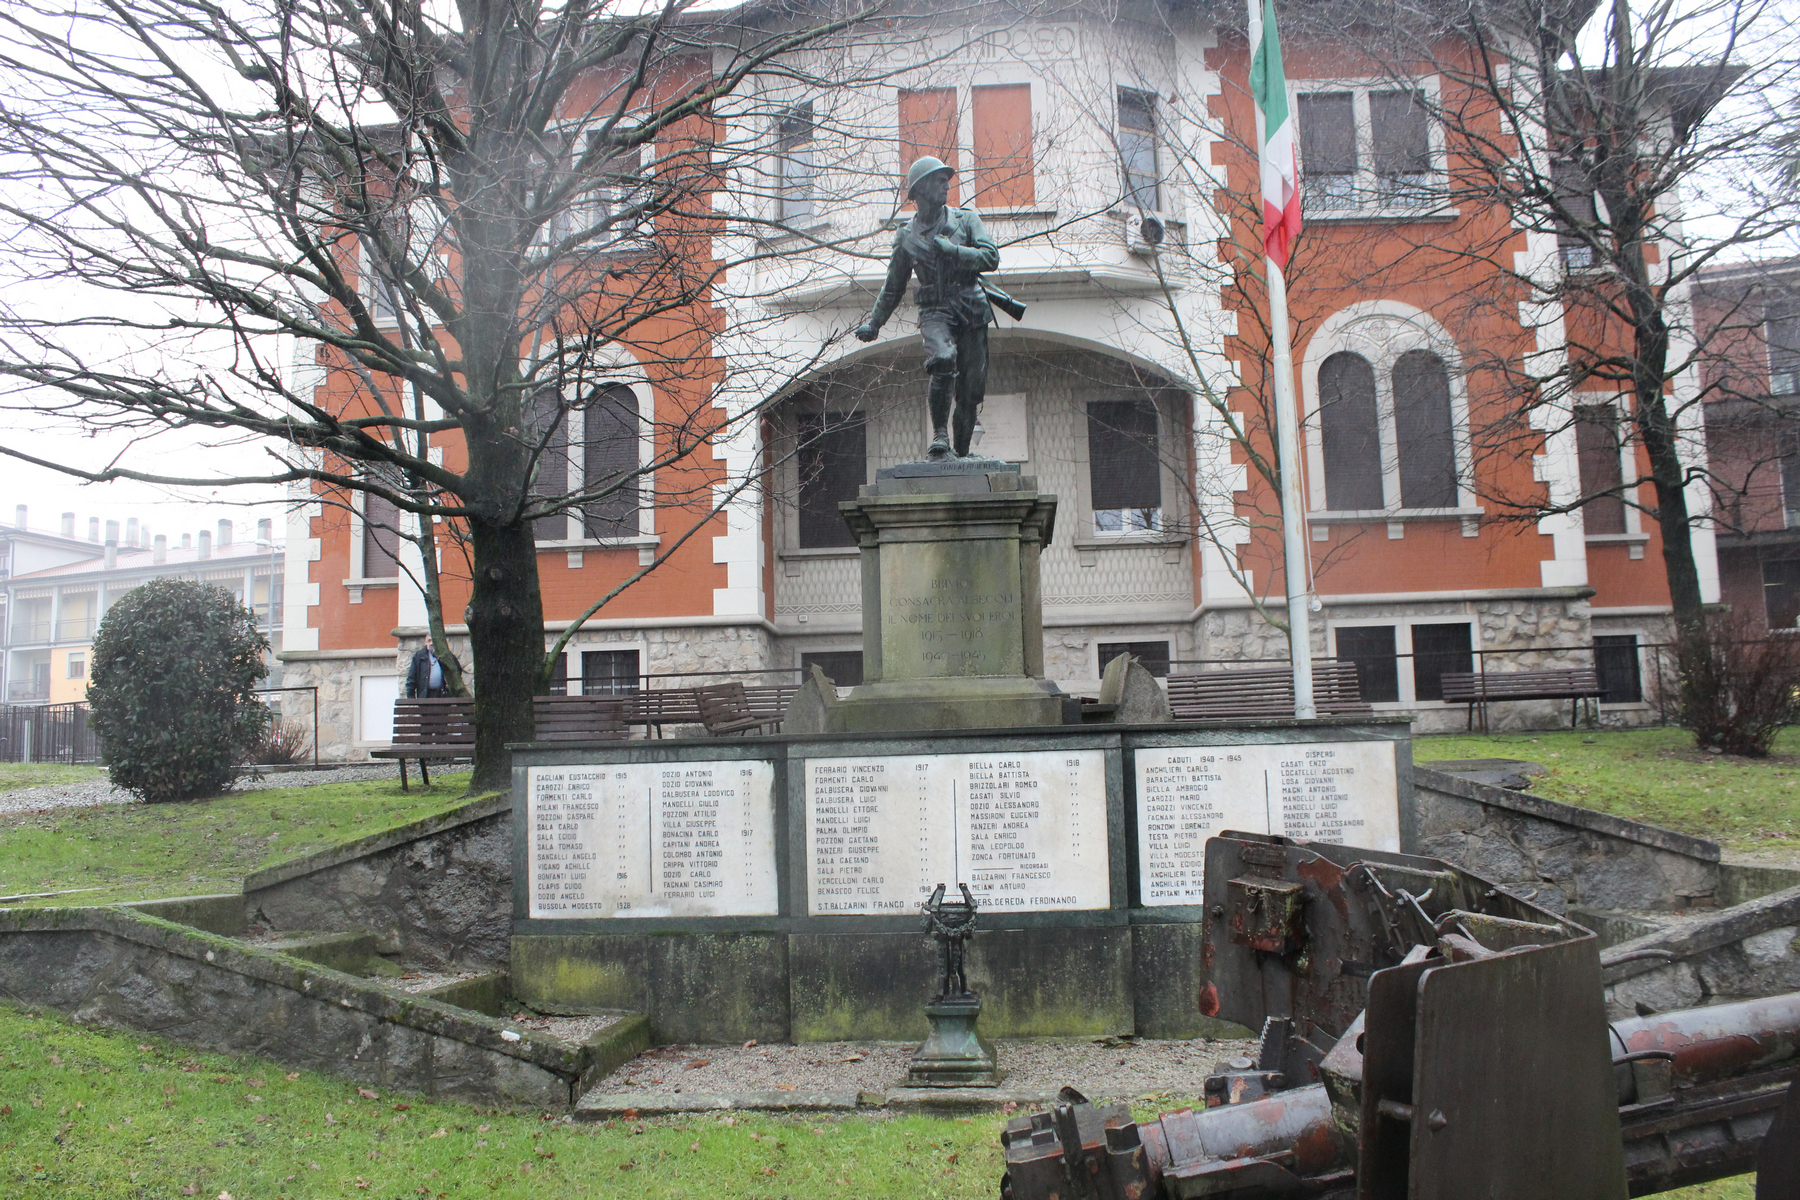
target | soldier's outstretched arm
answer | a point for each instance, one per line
(899, 272)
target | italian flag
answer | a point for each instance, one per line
(1280, 147)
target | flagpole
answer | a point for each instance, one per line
(1287, 457)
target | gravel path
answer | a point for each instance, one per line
(1108, 1068)
(99, 791)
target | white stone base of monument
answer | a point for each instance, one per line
(978, 703)
(953, 625)
(955, 1055)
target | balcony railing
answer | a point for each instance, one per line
(74, 629)
(35, 631)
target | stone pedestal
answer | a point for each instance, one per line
(954, 1055)
(953, 628)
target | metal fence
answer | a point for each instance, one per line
(47, 733)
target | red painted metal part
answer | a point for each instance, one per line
(1712, 1043)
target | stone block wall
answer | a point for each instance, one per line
(1567, 855)
(118, 968)
(438, 890)
(1069, 654)
(335, 678)
(1521, 633)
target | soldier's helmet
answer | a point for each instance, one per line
(921, 168)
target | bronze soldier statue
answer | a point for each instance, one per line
(948, 249)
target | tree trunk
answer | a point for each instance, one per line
(506, 641)
(1672, 517)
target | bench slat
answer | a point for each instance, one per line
(1258, 692)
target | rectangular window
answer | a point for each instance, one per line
(1371, 648)
(1154, 655)
(1790, 475)
(547, 439)
(381, 537)
(794, 163)
(1327, 149)
(928, 126)
(1124, 469)
(1137, 149)
(606, 204)
(1002, 153)
(1364, 147)
(833, 462)
(1401, 138)
(417, 237)
(1781, 592)
(78, 664)
(1597, 454)
(1575, 195)
(559, 676)
(843, 667)
(1616, 662)
(609, 672)
(1436, 649)
(611, 444)
(1783, 333)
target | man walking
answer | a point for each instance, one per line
(425, 675)
(948, 249)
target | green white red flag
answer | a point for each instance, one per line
(1280, 143)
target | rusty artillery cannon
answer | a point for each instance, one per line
(1426, 1036)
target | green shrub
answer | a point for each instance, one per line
(1738, 685)
(173, 667)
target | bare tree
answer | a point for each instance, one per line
(1633, 145)
(410, 250)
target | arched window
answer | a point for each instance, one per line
(610, 445)
(1422, 430)
(1350, 433)
(1387, 416)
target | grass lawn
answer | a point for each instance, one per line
(90, 1113)
(146, 851)
(1656, 775)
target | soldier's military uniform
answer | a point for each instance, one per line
(954, 310)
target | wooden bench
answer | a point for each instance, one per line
(654, 708)
(441, 727)
(1573, 684)
(725, 708)
(579, 718)
(770, 700)
(1264, 693)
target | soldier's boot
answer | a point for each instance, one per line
(962, 429)
(943, 393)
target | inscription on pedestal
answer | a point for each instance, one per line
(949, 611)
(1343, 792)
(1025, 830)
(677, 839)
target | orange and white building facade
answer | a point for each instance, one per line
(1110, 152)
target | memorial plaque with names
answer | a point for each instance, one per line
(1343, 792)
(669, 839)
(1026, 830)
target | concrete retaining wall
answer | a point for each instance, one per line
(113, 966)
(437, 890)
(1737, 953)
(1567, 855)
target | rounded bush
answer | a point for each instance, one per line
(173, 666)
